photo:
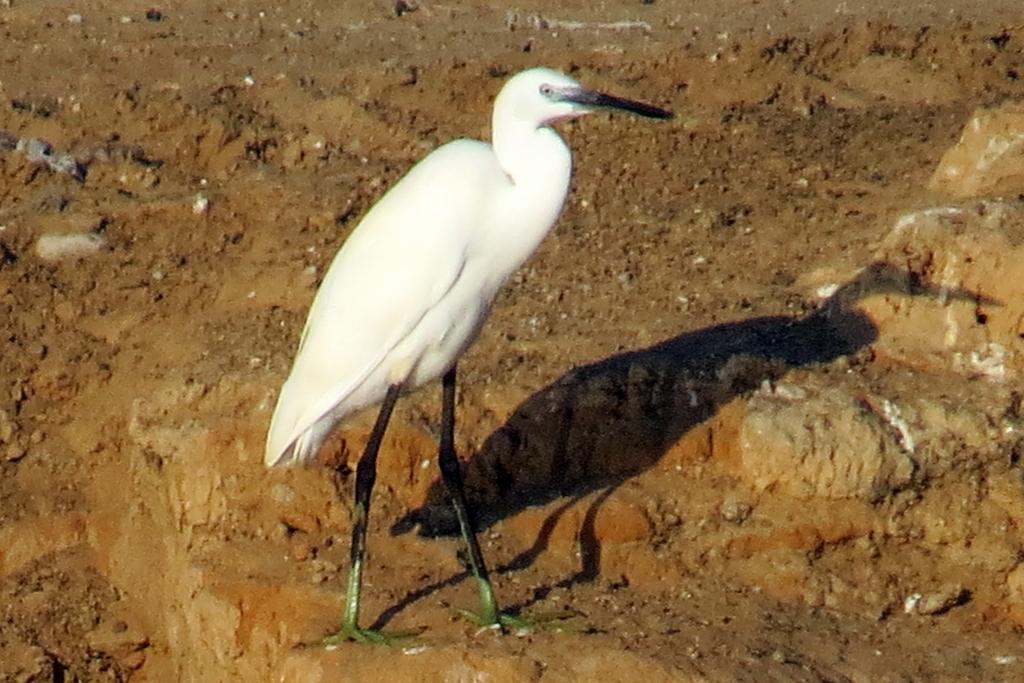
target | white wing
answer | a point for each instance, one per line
(402, 258)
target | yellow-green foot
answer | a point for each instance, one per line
(514, 623)
(354, 634)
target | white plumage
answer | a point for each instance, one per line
(412, 285)
(410, 288)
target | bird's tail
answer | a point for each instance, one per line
(284, 446)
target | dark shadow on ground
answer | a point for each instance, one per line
(600, 424)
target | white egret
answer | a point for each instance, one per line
(412, 285)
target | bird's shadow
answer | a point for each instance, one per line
(602, 423)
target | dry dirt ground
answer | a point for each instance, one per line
(752, 412)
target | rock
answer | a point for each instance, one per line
(14, 452)
(75, 245)
(951, 295)
(567, 658)
(826, 446)
(852, 438)
(39, 151)
(1015, 584)
(118, 639)
(936, 602)
(21, 663)
(989, 157)
(734, 511)
(455, 663)
(620, 520)
(6, 427)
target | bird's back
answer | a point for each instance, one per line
(402, 258)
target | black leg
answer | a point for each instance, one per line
(451, 473)
(366, 475)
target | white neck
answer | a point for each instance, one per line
(539, 165)
(529, 152)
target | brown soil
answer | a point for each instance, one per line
(641, 416)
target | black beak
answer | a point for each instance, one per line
(592, 98)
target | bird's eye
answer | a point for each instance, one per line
(546, 90)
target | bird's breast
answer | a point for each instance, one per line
(449, 330)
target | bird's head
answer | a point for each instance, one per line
(540, 97)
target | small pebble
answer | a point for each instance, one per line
(282, 493)
(301, 549)
(943, 600)
(734, 511)
(39, 151)
(826, 291)
(68, 165)
(35, 150)
(75, 245)
(937, 602)
(14, 453)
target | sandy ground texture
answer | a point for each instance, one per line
(753, 411)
